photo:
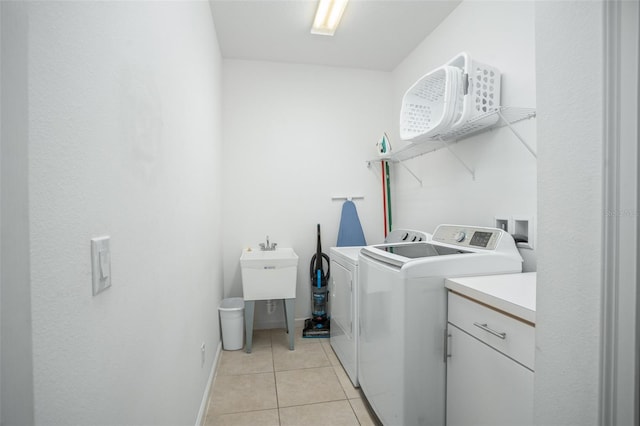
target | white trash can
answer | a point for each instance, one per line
(232, 323)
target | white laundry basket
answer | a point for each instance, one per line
(232, 323)
(481, 97)
(429, 106)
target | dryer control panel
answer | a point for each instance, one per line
(468, 236)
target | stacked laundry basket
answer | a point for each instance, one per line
(455, 98)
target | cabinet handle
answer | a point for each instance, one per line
(447, 336)
(488, 330)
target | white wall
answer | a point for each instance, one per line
(500, 34)
(569, 38)
(124, 136)
(295, 136)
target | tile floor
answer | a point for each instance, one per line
(275, 386)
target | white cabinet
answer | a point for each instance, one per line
(489, 366)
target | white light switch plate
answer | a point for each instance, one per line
(100, 264)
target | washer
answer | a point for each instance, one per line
(343, 298)
(403, 316)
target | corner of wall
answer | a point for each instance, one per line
(16, 386)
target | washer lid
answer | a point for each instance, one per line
(400, 254)
(419, 250)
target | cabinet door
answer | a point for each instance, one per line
(484, 387)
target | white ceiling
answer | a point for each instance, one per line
(373, 34)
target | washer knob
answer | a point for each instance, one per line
(460, 236)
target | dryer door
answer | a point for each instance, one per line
(341, 301)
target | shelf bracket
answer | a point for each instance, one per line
(411, 172)
(526, 145)
(469, 169)
(402, 164)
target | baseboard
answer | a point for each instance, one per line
(299, 322)
(202, 413)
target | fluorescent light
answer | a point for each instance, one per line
(328, 16)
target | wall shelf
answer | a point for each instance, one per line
(505, 117)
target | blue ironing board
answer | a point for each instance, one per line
(350, 232)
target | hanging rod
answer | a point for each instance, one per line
(507, 117)
(347, 197)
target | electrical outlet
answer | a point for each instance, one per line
(202, 354)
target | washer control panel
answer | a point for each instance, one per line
(468, 236)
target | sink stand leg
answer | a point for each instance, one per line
(249, 306)
(289, 311)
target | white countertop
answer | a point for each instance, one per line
(514, 294)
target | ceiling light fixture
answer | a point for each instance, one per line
(328, 16)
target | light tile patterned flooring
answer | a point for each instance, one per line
(275, 386)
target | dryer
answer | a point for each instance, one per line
(343, 298)
(403, 316)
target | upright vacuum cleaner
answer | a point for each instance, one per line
(318, 324)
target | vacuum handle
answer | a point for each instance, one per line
(316, 265)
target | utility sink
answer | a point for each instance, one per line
(269, 274)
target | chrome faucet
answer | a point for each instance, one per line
(268, 247)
